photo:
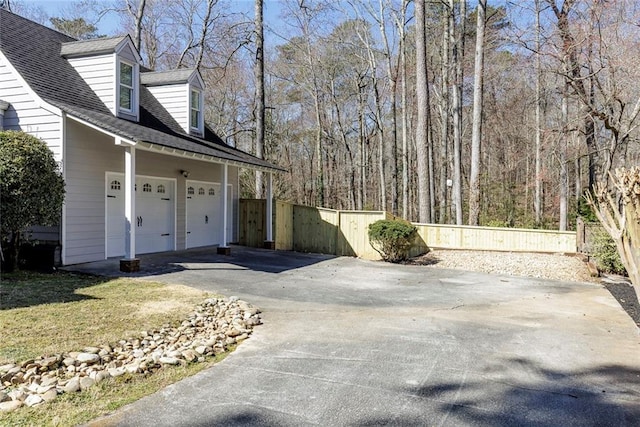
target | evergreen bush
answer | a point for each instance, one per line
(606, 254)
(392, 239)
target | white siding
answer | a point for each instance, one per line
(175, 99)
(90, 154)
(25, 114)
(99, 73)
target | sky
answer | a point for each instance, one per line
(109, 24)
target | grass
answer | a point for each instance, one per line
(45, 314)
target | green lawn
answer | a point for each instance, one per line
(45, 314)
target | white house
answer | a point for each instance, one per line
(143, 172)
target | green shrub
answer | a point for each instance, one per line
(31, 190)
(605, 252)
(392, 239)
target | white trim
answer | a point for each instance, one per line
(129, 202)
(225, 183)
(269, 213)
(63, 216)
(155, 148)
(134, 111)
(41, 103)
(123, 141)
(200, 128)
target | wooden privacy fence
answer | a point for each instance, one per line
(345, 233)
(307, 229)
(496, 239)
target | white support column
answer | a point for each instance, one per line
(130, 203)
(269, 201)
(225, 202)
(224, 249)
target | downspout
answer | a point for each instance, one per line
(4, 105)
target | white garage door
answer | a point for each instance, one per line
(154, 222)
(204, 219)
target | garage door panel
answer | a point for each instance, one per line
(155, 218)
(203, 214)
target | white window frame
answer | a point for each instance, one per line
(200, 110)
(133, 111)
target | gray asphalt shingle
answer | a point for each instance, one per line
(35, 52)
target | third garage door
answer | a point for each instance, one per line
(204, 219)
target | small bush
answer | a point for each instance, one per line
(606, 254)
(392, 239)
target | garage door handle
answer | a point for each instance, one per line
(139, 219)
(110, 196)
(166, 234)
(167, 199)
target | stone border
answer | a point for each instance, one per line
(214, 324)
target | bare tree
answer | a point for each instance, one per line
(474, 184)
(260, 98)
(537, 200)
(422, 96)
(137, 12)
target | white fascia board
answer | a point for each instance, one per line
(41, 103)
(127, 41)
(147, 146)
(119, 139)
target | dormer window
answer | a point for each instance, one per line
(127, 98)
(195, 117)
(111, 68)
(126, 87)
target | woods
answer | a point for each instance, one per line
(447, 111)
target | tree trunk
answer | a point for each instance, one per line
(405, 123)
(422, 97)
(474, 186)
(260, 98)
(562, 159)
(537, 202)
(457, 41)
(444, 118)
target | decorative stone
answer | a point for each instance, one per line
(116, 372)
(88, 358)
(169, 360)
(214, 324)
(33, 400)
(10, 405)
(101, 376)
(72, 386)
(6, 368)
(50, 395)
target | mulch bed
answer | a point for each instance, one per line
(626, 296)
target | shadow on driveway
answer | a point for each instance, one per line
(207, 258)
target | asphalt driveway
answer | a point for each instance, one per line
(359, 343)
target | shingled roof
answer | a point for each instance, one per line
(35, 52)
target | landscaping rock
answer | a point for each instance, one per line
(88, 358)
(33, 400)
(10, 405)
(212, 326)
(72, 386)
(50, 395)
